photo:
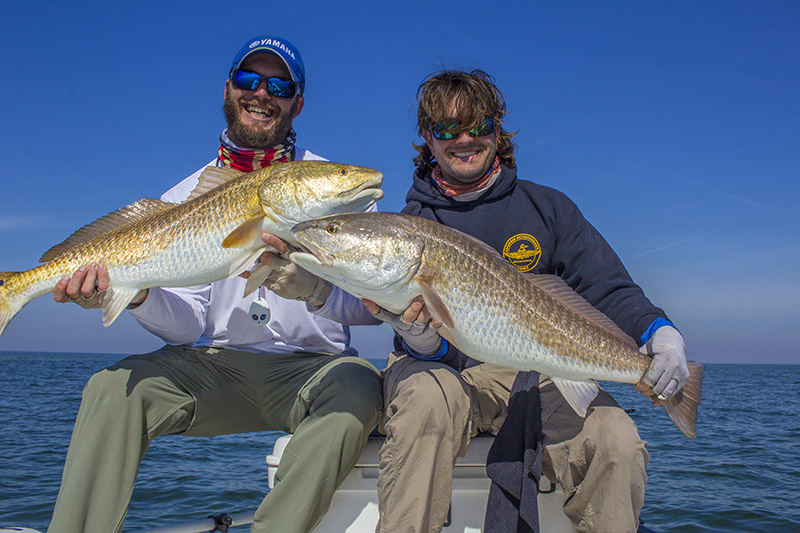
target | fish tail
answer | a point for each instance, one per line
(9, 306)
(682, 408)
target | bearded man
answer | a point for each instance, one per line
(229, 366)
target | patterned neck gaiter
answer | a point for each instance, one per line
(249, 159)
(465, 192)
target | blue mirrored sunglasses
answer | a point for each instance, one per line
(249, 81)
(452, 129)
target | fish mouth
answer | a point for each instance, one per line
(314, 254)
(363, 195)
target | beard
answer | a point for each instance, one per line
(259, 138)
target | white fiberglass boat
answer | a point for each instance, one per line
(354, 508)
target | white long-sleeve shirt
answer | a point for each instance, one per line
(216, 314)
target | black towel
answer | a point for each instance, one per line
(514, 462)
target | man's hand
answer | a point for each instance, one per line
(289, 280)
(87, 287)
(668, 371)
(415, 326)
(293, 282)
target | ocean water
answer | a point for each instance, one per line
(741, 475)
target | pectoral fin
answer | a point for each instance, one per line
(244, 263)
(115, 301)
(246, 233)
(579, 394)
(258, 275)
(435, 304)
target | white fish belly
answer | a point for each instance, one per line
(188, 263)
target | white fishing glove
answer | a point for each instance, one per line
(668, 372)
(295, 283)
(423, 340)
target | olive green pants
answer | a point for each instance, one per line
(330, 404)
(432, 413)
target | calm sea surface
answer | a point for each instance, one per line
(742, 473)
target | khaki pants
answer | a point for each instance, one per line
(432, 412)
(330, 404)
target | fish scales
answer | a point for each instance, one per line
(489, 310)
(492, 304)
(150, 250)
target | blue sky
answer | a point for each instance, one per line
(675, 126)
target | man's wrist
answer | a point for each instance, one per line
(443, 347)
(320, 295)
(139, 299)
(653, 327)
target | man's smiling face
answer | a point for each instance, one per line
(465, 158)
(256, 119)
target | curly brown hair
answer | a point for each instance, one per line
(474, 96)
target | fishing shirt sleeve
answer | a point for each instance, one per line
(177, 315)
(344, 308)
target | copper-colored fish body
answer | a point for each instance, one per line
(490, 310)
(157, 244)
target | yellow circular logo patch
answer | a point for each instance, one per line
(523, 251)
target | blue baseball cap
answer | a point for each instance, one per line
(281, 48)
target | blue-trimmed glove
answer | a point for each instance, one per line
(668, 372)
(420, 340)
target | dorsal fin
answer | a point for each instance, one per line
(558, 288)
(211, 178)
(121, 217)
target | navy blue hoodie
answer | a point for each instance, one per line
(540, 230)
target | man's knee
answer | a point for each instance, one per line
(615, 437)
(132, 380)
(106, 386)
(435, 398)
(356, 388)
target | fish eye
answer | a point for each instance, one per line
(332, 228)
(342, 172)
